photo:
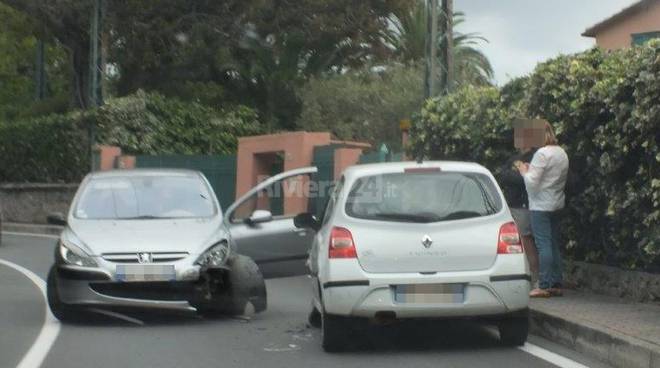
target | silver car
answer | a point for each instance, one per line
(159, 239)
(417, 240)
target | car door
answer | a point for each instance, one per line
(270, 238)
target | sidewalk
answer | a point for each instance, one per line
(16, 227)
(619, 333)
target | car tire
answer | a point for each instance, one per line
(514, 330)
(246, 285)
(314, 318)
(333, 332)
(61, 311)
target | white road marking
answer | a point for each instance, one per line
(549, 356)
(49, 331)
(31, 234)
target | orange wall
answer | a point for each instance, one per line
(619, 35)
(298, 150)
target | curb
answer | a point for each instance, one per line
(31, 228)
(608, 346)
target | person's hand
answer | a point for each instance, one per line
(523, 168)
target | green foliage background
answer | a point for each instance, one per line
(363, 105)
(605, 109)
(55, 148)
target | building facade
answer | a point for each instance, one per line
(632, 26)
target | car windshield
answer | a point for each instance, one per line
(423, 197)
(145, 197)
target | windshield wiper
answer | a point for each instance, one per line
(410, 217)
(143, 217)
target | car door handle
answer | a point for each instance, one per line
(301, 232)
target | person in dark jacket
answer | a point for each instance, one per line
(513, 187)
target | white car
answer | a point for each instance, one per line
(417, 240)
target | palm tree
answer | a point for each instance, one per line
(407, 38)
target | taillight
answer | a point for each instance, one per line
(341, 243)
(509, 239)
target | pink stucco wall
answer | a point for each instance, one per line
(297, 149)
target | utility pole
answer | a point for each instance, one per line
(95, 57)
(447, 50)
(40, 72)
(95, 73)
(431, 70)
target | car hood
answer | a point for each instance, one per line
(127, 236)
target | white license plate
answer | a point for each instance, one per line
(141, 272)
(429, 293)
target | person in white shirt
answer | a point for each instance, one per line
(545, 179)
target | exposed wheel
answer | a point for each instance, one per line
(514, 330)
(61, 311)
(333, 332)
(246, 284)
(314, 318)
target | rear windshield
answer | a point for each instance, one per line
(145, 197)
(423, 197)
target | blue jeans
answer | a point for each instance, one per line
(545, 228)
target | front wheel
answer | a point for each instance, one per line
(60, 310)
(246, 285)
(314, 318)
(514, 330)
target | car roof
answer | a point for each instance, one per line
(394, 167)
(142, 172)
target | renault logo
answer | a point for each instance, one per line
(144, 257)
(427, 241)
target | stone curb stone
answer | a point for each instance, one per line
(617, 350)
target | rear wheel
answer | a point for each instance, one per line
(62, 311)
(334, 332)
(514, 330)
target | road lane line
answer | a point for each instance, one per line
(549, 356)
(49, 331)
(31, 234)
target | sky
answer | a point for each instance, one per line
(523, 32)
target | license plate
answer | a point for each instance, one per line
(429, 293)
(131, 273)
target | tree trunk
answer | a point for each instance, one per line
(79, 56)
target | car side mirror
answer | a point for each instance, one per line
(258, 217)
(307, 221)
(56, 218)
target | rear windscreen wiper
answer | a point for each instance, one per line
(458, 215)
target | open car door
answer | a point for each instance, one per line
(261, 223)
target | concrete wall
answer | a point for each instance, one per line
(619, 35)
(631, 285)
(31, 203)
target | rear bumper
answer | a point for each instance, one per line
(502, 289)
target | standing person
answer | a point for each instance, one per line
(513, 187)
(545, 179)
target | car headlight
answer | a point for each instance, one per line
(72, 254)
(215, 256)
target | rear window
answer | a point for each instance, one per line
(423, 197)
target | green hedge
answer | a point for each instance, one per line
(606, 110)
(55, 148)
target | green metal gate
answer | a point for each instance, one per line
(219, 170)
(324, 160)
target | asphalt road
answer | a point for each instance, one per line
(278, 337)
